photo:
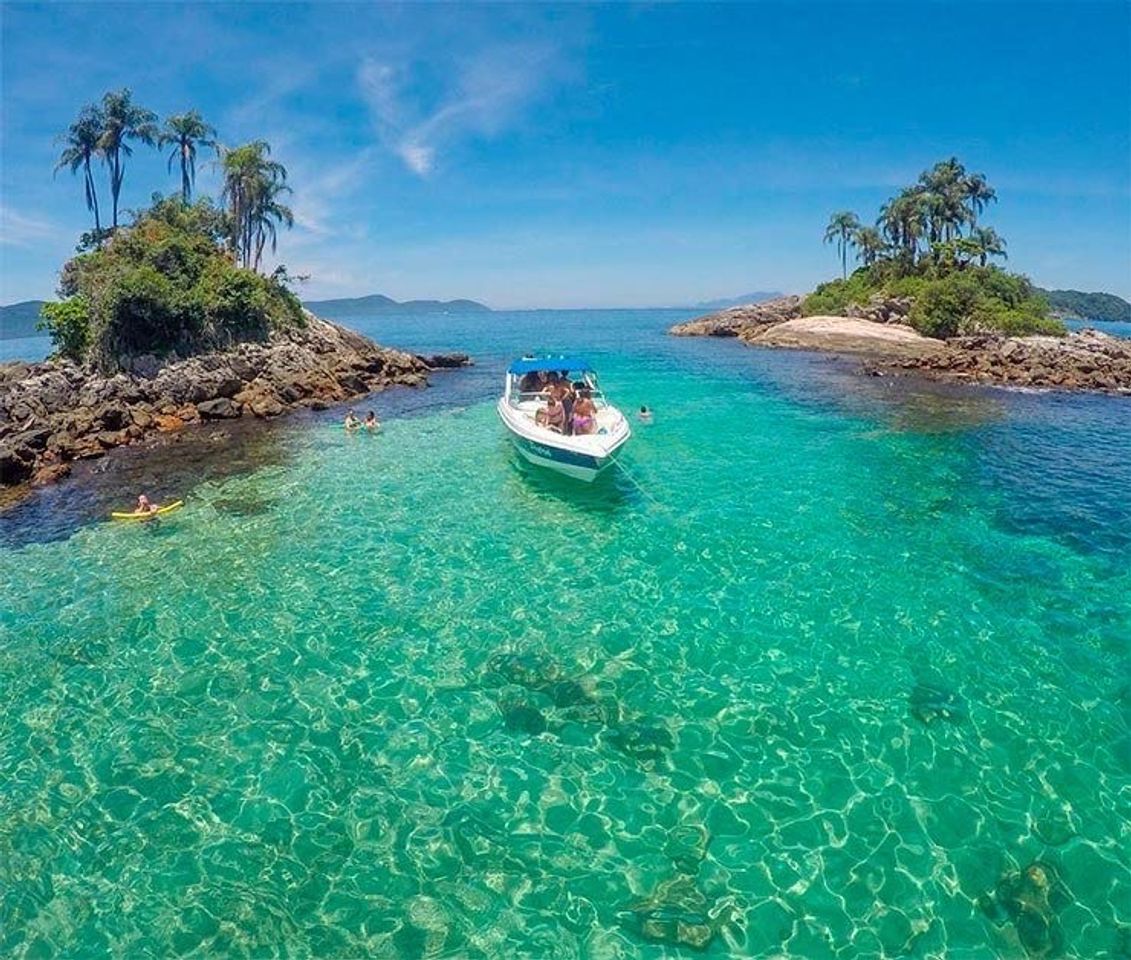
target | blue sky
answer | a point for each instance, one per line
(592, 156)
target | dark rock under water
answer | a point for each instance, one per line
(1030, 900)
(930, 702)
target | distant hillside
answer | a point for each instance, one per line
(1089, 306)
(377, 303)
(19, 319)
(757, 297)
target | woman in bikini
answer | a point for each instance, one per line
(584, 414)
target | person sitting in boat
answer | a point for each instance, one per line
(553, 415)
(145, 506)
(352, 423)
(531, 382)
(584, 414)
(562, 389)
(372, 424)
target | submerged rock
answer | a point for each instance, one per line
(930, 702)
(567, 693)
(523, 718)
(677, 913)
(529, 670)
(247, 506)
(641, 740)
(1030, 900)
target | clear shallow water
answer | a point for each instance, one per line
(828, 662)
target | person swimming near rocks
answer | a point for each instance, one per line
(144, 505)
(645, 415)
(352, 423)
(371, 424)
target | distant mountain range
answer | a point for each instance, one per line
(756, 297)
(376, 303)
(19, 319)
(1089, 306)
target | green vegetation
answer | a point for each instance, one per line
(166, 283)
(927, 245)
(182, 277)
(1105, 307)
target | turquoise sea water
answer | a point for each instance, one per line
(835, 667)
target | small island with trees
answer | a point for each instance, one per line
(927, 297)
(166, 316)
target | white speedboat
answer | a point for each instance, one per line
(580, 455)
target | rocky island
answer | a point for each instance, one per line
(927, 301)
(57, 411)
(170, 321)
(879, 333)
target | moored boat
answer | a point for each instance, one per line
(582, 453)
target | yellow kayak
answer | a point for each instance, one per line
(150, 514)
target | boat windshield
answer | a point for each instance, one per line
(535, 384)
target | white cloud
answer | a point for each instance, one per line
(482, 95)
(417, 158)
(21, 230)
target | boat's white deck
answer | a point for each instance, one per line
(607, 417)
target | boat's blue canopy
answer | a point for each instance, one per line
(529, 365)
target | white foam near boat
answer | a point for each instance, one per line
(582, 456)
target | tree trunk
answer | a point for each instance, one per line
(115, 186)
(186, 187)
(94, 202)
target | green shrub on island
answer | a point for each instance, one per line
(974, 300)
(927, 247)
(166, 284)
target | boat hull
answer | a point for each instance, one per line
(543, 452)
(580, 466)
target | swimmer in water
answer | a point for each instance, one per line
(372, 424)
(645, 415)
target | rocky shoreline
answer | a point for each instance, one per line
(1085, 360)
(54, 412)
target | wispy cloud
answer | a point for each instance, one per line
(488, 92)
(21, 230)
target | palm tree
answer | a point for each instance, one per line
(904, 221)
(81, 144)
(268, 212)
(978, 194)
(869, 244)
(185, 132)
(253, 184)
(988, 244)
(945, 185)
(841, 229)
(124, 120)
